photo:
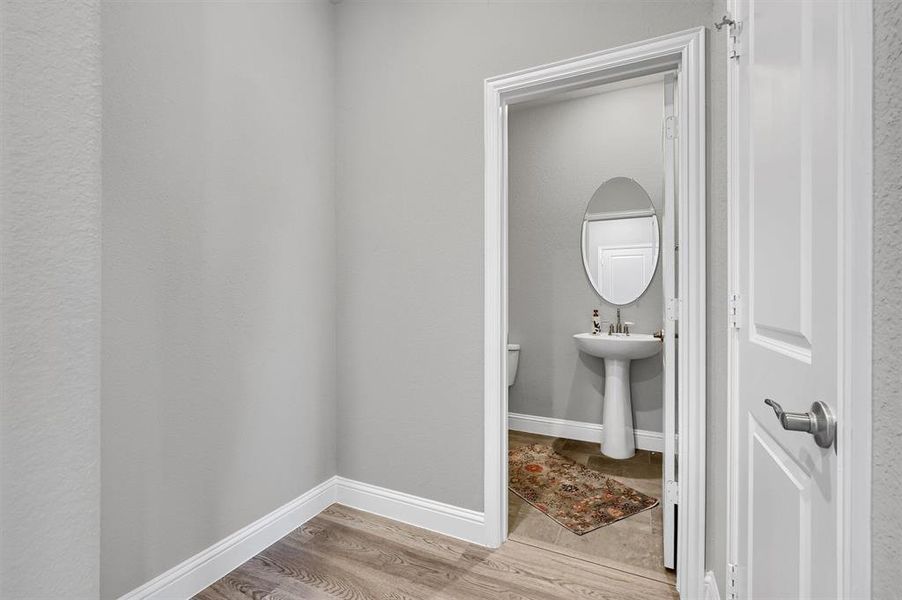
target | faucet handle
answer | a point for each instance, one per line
(626, 327)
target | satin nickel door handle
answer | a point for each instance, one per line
(819, 422)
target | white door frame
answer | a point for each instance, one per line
(686, 52)
(856, 205)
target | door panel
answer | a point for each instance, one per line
(625, 272)
(779, 189)
(780, 506)
(787, 348)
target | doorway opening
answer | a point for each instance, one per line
(591, 406)
(555, 137)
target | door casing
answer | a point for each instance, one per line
(855, 299)
(684, 51)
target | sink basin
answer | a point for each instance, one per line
(618, 350)
(618, 345)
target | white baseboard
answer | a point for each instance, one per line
(578, 430)
(453, 521)
(711, 591)
(193, 575)
(208, 566)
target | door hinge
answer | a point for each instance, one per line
(732, 581)
(734, 49)
(735, 310)
(672, 312)
(734, 28)
(670, 128)
(672, 492)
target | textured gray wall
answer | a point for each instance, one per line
(218, 272)
(559, 154)
(410, 221)
(50, 190)
(887, 441)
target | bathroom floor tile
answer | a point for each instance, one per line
(602, 463)
(530, 523)
(581, 447)
(634, 544)
(625, 542)
(657, 520)
(518, 438)
(648, 487)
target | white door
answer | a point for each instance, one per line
(625, 271)
(670, 268)
(788, 169)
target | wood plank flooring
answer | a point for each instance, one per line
(348, 554)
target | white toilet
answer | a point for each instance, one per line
(513, 359)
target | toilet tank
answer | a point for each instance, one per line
(513, 359)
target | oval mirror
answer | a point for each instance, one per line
(620, 240)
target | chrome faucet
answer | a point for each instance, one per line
(619, 326)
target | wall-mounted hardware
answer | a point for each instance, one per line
(734, 28)
(724, 20)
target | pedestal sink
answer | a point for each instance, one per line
(618, 350)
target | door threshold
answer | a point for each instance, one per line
(668, 577)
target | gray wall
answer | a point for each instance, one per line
(410, 222)
(50, 191)
(559, 154)
(218, 272)
(887, 443)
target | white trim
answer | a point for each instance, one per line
(620, 214)
(734, 321)
(686, 52)
(854, 428)
(711, 591)
(854, 436)
(669, 266)
(206, 567)
(446, 519)
(578, 430)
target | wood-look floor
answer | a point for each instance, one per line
(348, 554)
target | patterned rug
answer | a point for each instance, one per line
(580, 499)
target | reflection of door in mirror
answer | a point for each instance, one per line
(620, 253)
(624, 271)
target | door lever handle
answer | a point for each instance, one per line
(819, 422)
(791, 421)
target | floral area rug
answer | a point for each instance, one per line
(580, 499)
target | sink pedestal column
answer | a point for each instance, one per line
(618, 440)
